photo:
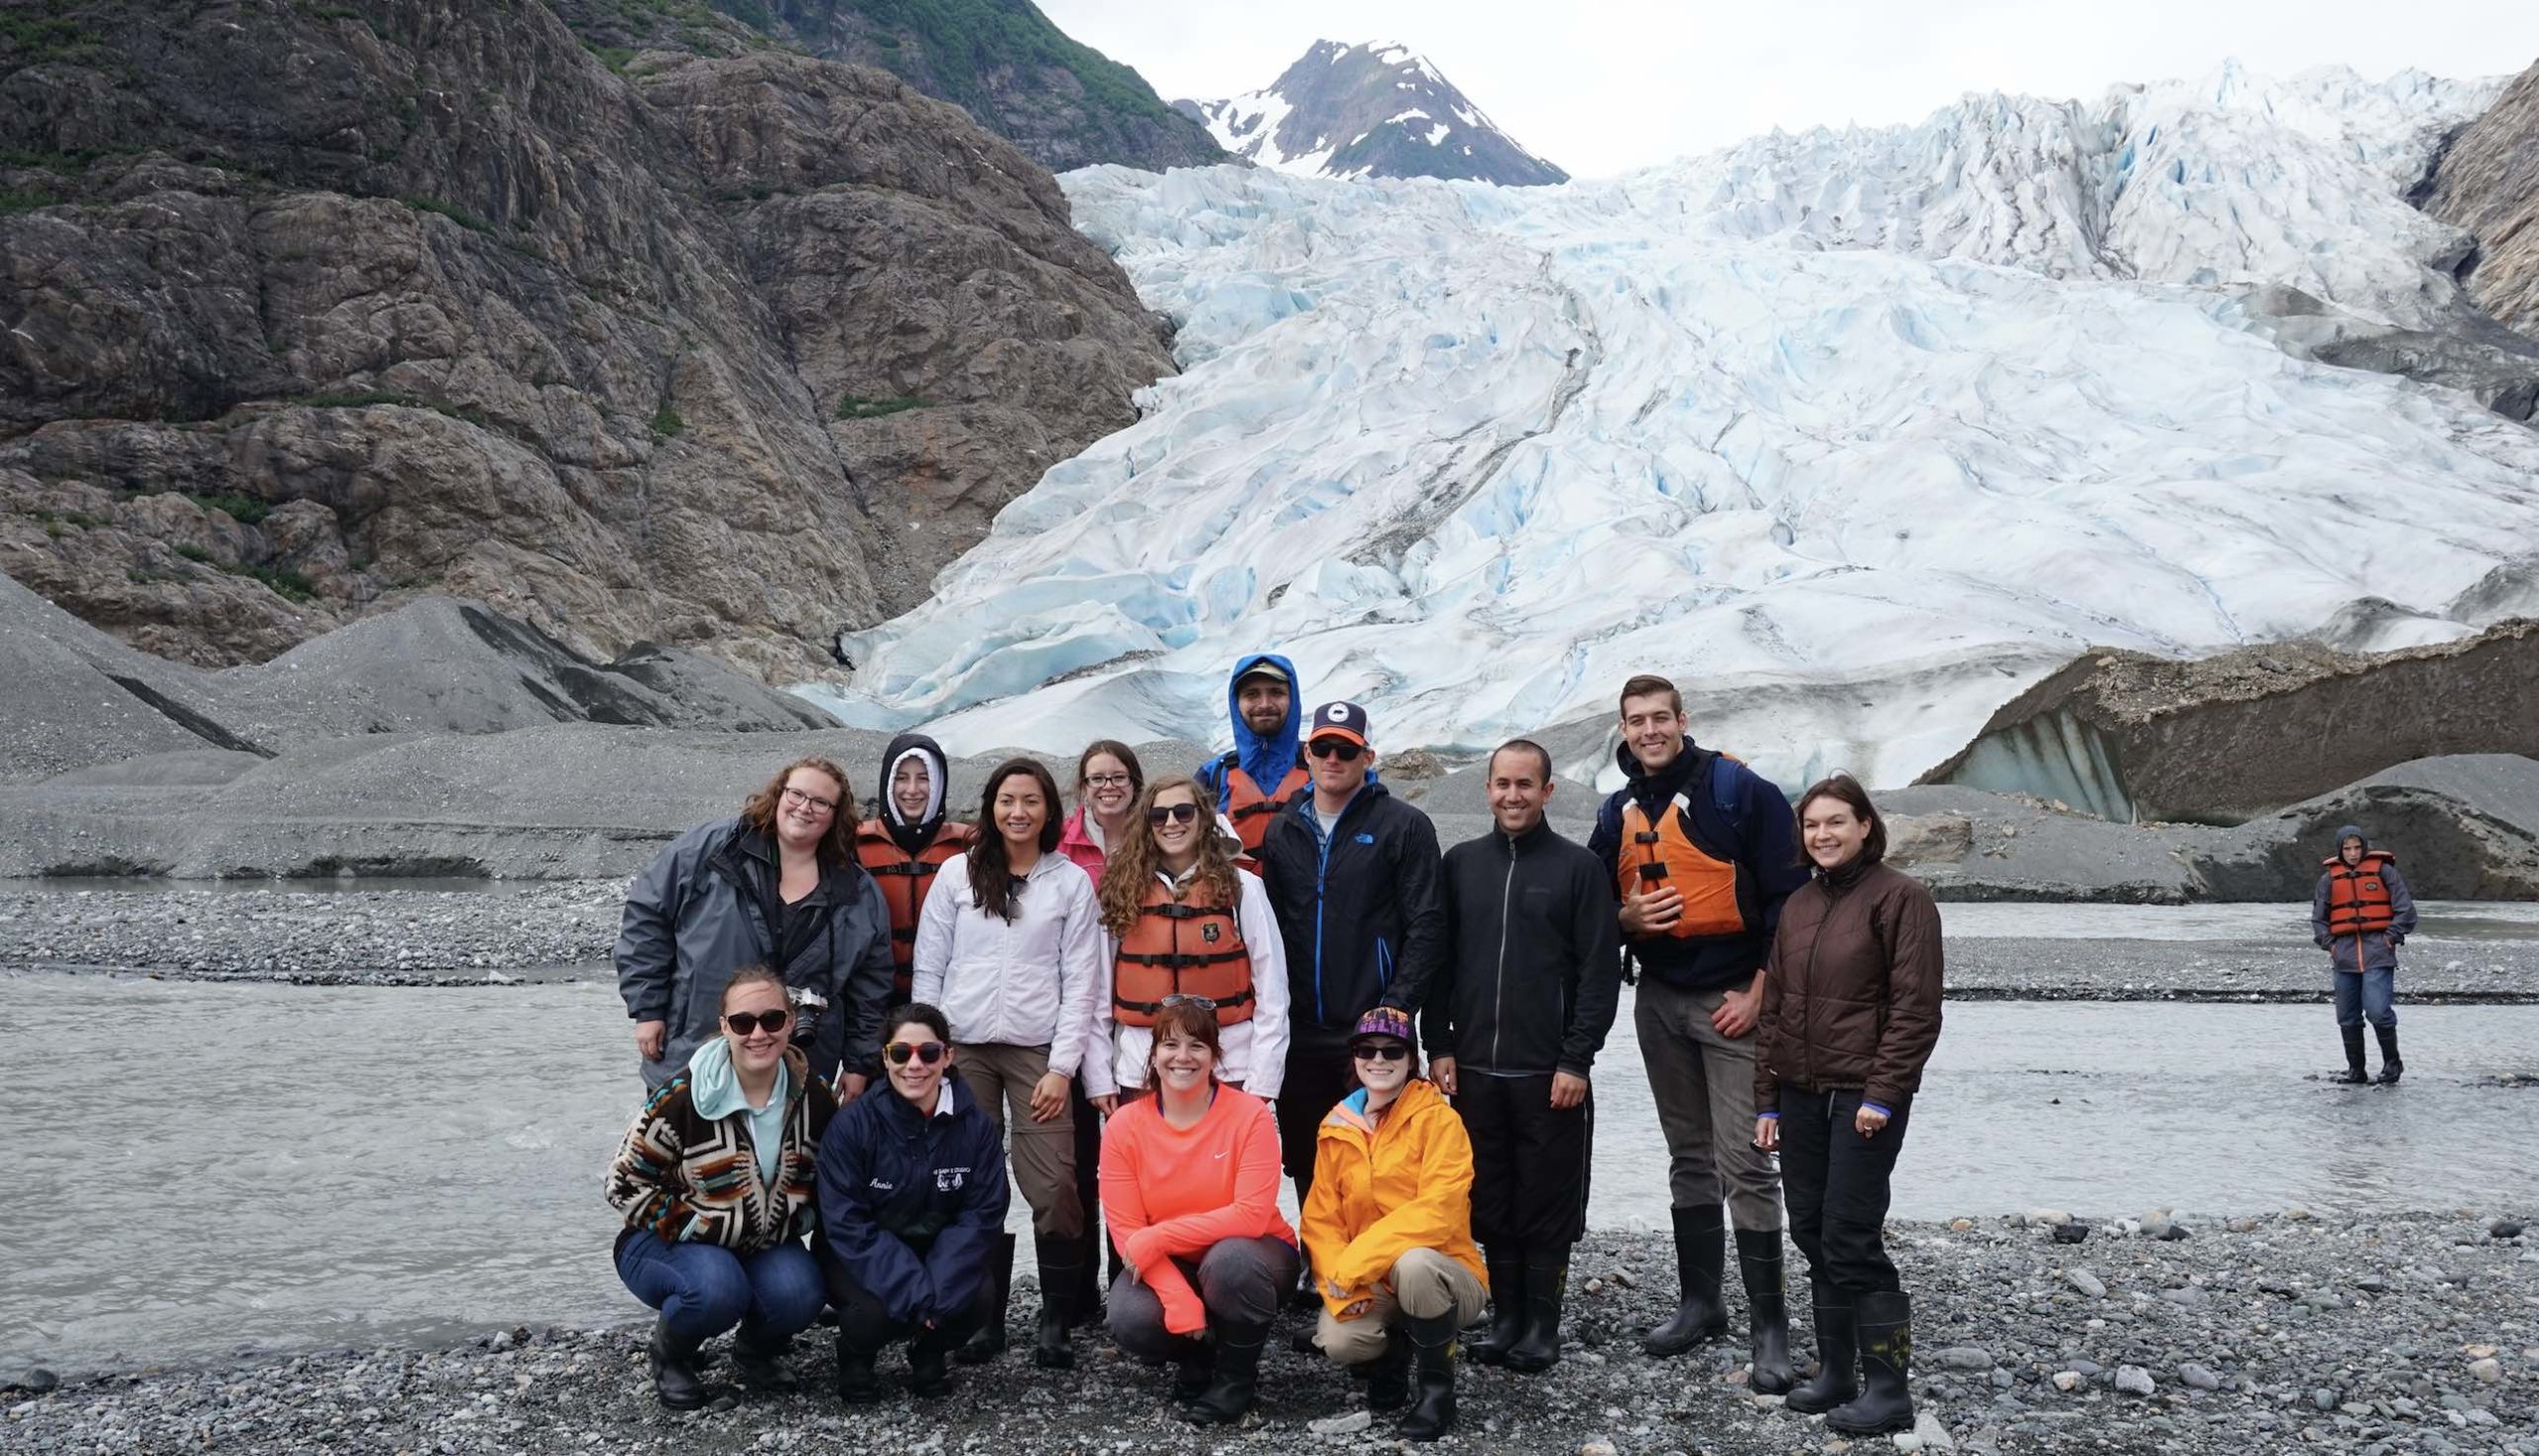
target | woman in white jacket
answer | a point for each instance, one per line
(1010, 947)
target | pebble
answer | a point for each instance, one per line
(2068, 1380)
(2199, 1376)
(2156, 1224)
(1967, 1357)
(2133, 1380)
(2071, 1233)
(2188, 1296)
(2050, 1217)
(2487, 1371)
(2504, 1227)
(1930, 1432)
(2087, 1283)
(1345, 1424)
(1591, 1448)
(2244, 1225)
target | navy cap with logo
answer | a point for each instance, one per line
(1338, 720)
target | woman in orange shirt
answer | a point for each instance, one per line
(1190, 1193)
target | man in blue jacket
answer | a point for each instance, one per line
(912, 1196)
(1265, 770)
(1702, 851)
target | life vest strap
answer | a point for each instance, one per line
(1174, 911)
(1176, 959)
(1151, 1008)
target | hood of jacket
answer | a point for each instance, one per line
(714, 1084)
(913, 835)
(1350, 1111)
(1265, 761)
(2352, 831)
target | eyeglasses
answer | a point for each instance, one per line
(799, 799)
(1380, 1051)
(1172, 813)
(749, 1022)
(1335, 748)
(1108, 781)
(1177, 999)
(929, 1052)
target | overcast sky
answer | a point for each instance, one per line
(1600, 86)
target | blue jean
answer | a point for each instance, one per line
(2366, 996)
(703, 1289)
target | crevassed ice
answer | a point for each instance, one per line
(1854, 432)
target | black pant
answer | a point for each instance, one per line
(1318, 1076)
(1239, 1281)
(1088, 1158)
(1529, 1159)
(1836, 1185)
(865, 1324)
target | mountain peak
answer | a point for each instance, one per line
(1369, 109)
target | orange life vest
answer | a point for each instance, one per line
(1718, 901)
(2358, 897)
(904, 879)
(1177, 949)
(1252, 811)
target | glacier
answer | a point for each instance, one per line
(1856, 434)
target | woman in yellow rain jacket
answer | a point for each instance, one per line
(1389, 1228)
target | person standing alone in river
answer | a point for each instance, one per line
(2360, 915)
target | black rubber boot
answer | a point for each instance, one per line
(1758, 1259)
(1432, 1350)
(2354, 1075)
(1838, 1368)
(1507, 1264)
(2391, 1069)
(857, 1385)
(988, 1341)
(1194, 1369)
(1061, 1264)
(675, 1378)
(1546, 1284)
(1388, 1375)
(1885, 1325)
(1238, 1375)
(930, 1367)
(1701, 1257)
(759, 1364)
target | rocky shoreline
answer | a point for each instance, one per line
(2381, 1335)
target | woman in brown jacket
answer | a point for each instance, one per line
(1851, 1011)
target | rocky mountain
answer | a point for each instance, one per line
(1376, 110)
(316, 309)
(2488, 184)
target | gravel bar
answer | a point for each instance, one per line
(2416, 1333)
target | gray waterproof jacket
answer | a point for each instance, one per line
(700, 911)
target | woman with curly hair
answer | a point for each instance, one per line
(775, 885)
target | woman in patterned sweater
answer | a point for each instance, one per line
(716, 1178)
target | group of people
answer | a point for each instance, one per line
(1156, 1003)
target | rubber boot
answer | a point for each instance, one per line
(1546, 1282)
(1388, 1375)
(2354, 1075)
(1507, 1264)
(1238, 1375)
(1758, 1259)
(1701, 1257)
(2391, 1069)
(857, 1385)
(1432, 1351)
(1885, 1325)
(930, 1370)
(1194, 1369)
(759, 1364)
(1838, 1370)
(988, 1341)
(675, 1381)
(1061, 1264)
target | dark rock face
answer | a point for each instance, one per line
(1370, 112)
(2224, 739)
(2475, 355)
(2488, 184)
(317, 311)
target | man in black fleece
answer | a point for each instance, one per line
(1533, 972)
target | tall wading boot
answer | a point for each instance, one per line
(1237, 1377)
(1701, 1257)
(760, 1363)
(988, 1341)
(2355, 1059)
(1838, 1370)
(2390, 1068)
(1432, 1353)
(1506, 1265)
(1885, 1324)
(675, 1381)
(857, 1385)
(1758, 1259)
(928, 1372)
(1546, 1284)
(1194, 1369)
(1061, 1264)
(1389, 1373)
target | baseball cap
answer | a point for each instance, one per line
(1338, 720)
(1384, 1020)
(1261, 669)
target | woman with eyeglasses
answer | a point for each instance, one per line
(716, 1178)
(1108, 781)
(913, 1203)
(1008, 945)
(1388, 1228)
(778, 887)
(1191, 1190)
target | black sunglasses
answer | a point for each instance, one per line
(1380, 1051)
(929, 1052)
(1171, 813)
(1335, 748)
(747, 1023)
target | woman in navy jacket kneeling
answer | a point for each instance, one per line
(912, 1196)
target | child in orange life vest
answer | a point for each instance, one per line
(2360, 915)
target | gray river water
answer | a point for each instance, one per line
(234, 1168)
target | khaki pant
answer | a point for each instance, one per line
(1042, 1155)
(1704, 1086)
(1425, 1285)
